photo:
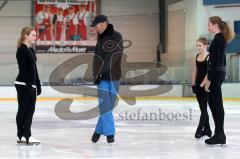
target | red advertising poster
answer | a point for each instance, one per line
(63, 26)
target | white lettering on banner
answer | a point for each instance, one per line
(46, 1)
(78, 1)
(66, 50)
(71, 2)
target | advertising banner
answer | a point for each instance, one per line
(63, 26)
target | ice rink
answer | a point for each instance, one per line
(152, 128)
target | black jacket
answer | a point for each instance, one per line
(26, 59)
(217, 56)
(107, 56)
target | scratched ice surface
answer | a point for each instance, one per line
(150, 129)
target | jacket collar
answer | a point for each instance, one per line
(24, 45)
(109, 31)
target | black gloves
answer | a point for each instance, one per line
(30, 88)
(97, 80)
(39, 90)
(194, 89)
(33, 90)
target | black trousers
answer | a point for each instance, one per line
(216, 102)
(26, 107)
(202, 98)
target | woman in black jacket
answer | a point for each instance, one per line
(216, 75)
(27, 85)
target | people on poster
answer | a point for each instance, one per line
(71, 25)
(84, 20)
(59, 23)
(65, 24)
(44, 23)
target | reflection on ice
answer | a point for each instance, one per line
(150, 129)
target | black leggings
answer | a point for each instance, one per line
(26, 107)
(216, 101)
(202, 98)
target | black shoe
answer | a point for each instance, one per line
(110, 138)
(199, 133)
(207, 132)
(27, 140)
(95, 137)
(217, 139)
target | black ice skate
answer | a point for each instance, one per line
(110, 138)
(199, 133)
(95, 137)
(207, 132)
(219, 139)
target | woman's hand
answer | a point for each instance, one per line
(207, 85)
(203, 84)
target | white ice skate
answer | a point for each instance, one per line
(32, 141)
(23, 140)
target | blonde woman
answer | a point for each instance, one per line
(216, 75)
(27, 85)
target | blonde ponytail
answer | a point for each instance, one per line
(25, 31)
(19, 42)
(224, 27)
(228, 32)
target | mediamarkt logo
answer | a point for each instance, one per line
(75, 49)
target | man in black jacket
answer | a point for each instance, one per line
(106, 72)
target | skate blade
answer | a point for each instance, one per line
(29, 144)
(33, 143)
(111, 144)
(21, 142)
(217, 145)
